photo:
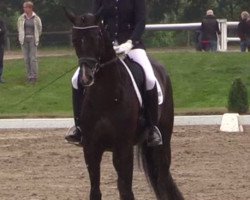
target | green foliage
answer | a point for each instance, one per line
(159, 39)
(158, 11)
(50, 11)
(238, 98)
(195, 9)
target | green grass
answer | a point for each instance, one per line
(201, 83)
(53, 100)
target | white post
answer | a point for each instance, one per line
(223, 38)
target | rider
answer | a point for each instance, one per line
(125, 22)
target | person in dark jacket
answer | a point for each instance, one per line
(125, 22)
(243, 30)
(210, 31)
(2, 40)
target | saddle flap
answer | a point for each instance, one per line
(136, 88)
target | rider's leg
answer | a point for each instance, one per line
(151, 96)
(74, 135)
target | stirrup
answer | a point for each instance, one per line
(73, 136)
(154, 137)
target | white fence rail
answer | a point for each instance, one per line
(222, 44)
(223, 24)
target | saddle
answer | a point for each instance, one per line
(138, 79)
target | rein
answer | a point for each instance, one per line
(44, 87)
(86, 27)
(108, 62)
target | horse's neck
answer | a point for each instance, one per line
(108, 52)
(110, 75)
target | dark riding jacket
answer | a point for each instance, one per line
(2, 33)
(210, 28)
(123, 19)
(243, 29)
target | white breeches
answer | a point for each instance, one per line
(137, 55)
(74, 79)
(140, 56)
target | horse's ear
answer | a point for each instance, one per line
(70, 15)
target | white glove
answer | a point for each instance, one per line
(123, 48)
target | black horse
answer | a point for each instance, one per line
(110, 121)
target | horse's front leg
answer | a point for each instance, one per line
(123, 163)
(93, 157)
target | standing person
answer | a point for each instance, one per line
(243, 30)
(29, 29)
(125, 22)
(2, 41)
(210, 31)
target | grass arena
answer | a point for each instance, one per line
(206, 165)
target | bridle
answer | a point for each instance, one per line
(91, 61)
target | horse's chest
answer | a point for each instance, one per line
(109, 109)
(106, 100)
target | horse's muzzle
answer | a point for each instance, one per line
(89, 66)
(86, 76)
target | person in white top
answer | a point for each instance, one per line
(29, 31)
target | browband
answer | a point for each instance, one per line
(85, 28)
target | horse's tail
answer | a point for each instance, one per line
(156, 160)
(156, 168)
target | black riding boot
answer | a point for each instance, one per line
(74, 134)
(151, 105)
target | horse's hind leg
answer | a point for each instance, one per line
(123, 163)
(93, 159)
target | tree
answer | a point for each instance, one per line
(238, 98)
(194, 10)
(50, 11)
(163, 10)
(166, 11)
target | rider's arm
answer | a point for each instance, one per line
(2, 28)
(96, 5)
(140, 21)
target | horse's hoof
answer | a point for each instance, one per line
(78, 144)
(154, 143)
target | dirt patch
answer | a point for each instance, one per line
(11, 55)
(206, 164)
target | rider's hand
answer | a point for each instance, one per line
(123, 48)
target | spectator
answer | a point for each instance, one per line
(210, 31)
(244, 31)
(197, 40)
(29, 30)
(2, 40)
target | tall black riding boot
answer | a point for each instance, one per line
(74, 134)
(151, 105)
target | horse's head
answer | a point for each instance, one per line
(88, 41)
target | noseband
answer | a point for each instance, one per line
(89, 60)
